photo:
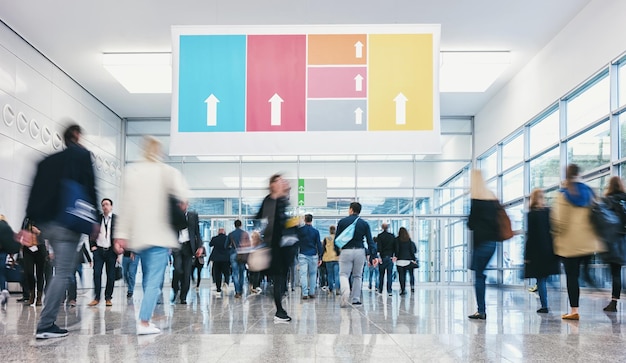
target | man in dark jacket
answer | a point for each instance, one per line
(310, 256)
(386, 244)
(7, 246)
(353, 255)
(220, 255)
(103, 254)
(190, 243)
(44, 205)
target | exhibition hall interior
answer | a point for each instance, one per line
(388, 104)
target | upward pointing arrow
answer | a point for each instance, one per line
(400, 101)
(358, 116)
(301, 189)
(275, 115)
(358, 82)
(359, 49)
(211, 110)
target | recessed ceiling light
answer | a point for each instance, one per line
(141, 72)
(471, 71)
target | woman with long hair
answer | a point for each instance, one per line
(574, 238)
(539, 259)
(406, 262)
(614, 196)
(482, 221)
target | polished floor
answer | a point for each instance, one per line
(429, 325)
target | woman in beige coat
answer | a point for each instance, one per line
(574, 238)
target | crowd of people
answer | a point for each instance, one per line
(51, 248)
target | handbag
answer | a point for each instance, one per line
(259, 259)
(177, 217)
(346, 235)
(77, 211)
(118, 271)
(504, 224)
(605, 221)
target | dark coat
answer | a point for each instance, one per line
(616, 247)
(195, 239)
(282, 257)
(219, 253)
(483, 221)
(539, 258)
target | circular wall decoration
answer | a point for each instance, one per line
(34, 129)
(8, 115)
(22, 122)
(46, 135)
(57, 141)
(99, 162)
(107, 167)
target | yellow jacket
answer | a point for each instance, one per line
(572, 230)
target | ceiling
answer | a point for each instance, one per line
(74, 33)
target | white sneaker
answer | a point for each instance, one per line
(258, 290)
(147, 330)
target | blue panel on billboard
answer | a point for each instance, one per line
(212, 83)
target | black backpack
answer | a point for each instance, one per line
(618, 205)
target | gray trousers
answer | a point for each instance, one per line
(351, 261)
(64, 245)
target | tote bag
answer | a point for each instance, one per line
(346, 235)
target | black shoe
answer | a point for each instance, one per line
(402, 293)
(478, 315)
(22, 299)
(357, 303)
(412, 290)
(612, 307)
(282, 317)
(129, 295)
(543, 310)
(51, 332)
(183, 302)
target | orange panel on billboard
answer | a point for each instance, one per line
(337, 49)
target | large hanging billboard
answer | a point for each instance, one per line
(302, 90)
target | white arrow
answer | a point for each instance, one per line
(275, 111)
(400, 101)
(358, 80)
(358, 115)
(211, 110)
(359, 49)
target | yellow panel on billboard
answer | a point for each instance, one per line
(400, 82)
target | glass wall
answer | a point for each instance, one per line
(576, 129)
(423, 193)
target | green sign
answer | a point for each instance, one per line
(301, 192)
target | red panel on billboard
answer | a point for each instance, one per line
(276, 83)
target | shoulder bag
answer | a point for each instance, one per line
(346, 235)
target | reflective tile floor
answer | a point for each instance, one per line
(429, 325)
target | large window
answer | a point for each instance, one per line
(513, 152)
(513, 184)
(544, 133)
(621, 83)
(589, 105)
(591, 149)
(489, 165)
(545, 170)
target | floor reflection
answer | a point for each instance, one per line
(428, 325)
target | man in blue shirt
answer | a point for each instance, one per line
(353, 255)
(310, 256)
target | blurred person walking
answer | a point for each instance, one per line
(144, 225)
(574, 237)
(539, 259)
(72, 166)
(483, 222)
(220, 256)
(309, 257)
(387, 245)
(615, 197)
(273, 209)
(8, 245)
(331, 259)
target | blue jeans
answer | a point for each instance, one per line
(542, 291)
(307, 266)
(372, 276)
(332, 270)
(153, 264)
(129, 268)
(3, 277)
(480, 258)
(237, 273)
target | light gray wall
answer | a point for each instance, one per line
(589, 42)
(35, 98)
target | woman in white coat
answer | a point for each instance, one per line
(144, 226)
